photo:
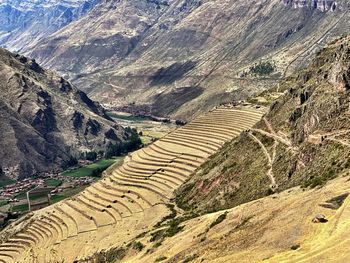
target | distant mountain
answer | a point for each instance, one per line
(24, 23)
(45, 120)
(179, 57)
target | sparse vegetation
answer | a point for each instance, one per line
(157, 244)
(218, 220)
(174, 228)
(315, 181)
(111, 255)
(161, 258)
(138, 246)
(170, 229)
(262, 68)
(190, 258)
(172, 215)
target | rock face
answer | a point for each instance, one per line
(322, 5)
(45, 120)
(319, 218)
(24, 23)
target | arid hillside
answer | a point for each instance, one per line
(302, 140)
(45, 120)
(179, 57)
(274, 229)
(277, 193)
(261, 180)
(131, 199)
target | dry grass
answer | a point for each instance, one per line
(129, 200)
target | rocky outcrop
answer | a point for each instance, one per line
(45, 120)
(321, 5)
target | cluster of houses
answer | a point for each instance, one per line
(9, 191)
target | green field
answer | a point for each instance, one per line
(22, 195)
(53, 182)
(3, 202)
(146, 140)
(20, 208)
(57, 198)
(24, 207)
(93, 170)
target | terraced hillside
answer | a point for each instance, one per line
(130, 200)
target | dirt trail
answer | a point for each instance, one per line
(276, 137)
(269, 159)
(269, 126)
(340, 141)
(331, 136)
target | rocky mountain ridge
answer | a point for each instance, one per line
(181, 57)
(24, 23)
(46, 120)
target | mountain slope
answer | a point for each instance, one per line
(24, 23)
(128, 201)
(302, 140)
(277, 228)
(272, 184)
(181, 56)
(45, 120)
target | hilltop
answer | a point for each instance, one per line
(45, 121)
(273, 229)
